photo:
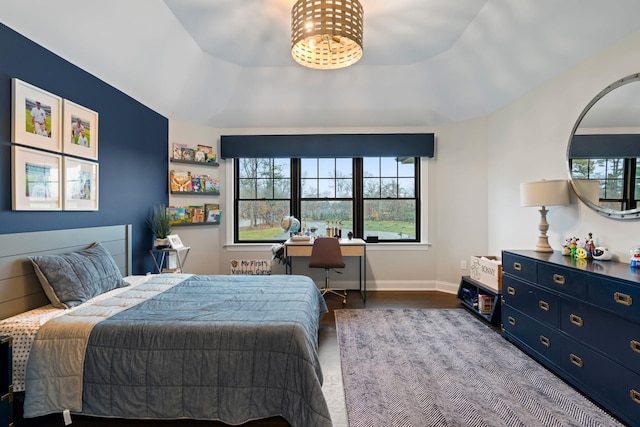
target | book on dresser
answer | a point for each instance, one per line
(579, 319)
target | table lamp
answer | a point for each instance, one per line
(544, 193)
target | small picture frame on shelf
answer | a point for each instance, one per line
(174, 241)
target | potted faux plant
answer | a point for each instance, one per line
(160, 225)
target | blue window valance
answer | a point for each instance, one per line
(327, 145)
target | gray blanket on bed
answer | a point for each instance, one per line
(229, 348)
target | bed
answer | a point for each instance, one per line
(171, 346)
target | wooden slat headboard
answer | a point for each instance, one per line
(20, 289)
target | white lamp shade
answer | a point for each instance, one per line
(588, 189)
(544, 193)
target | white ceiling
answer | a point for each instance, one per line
(227, 63)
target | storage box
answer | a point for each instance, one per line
(485, 303)
(487, 270)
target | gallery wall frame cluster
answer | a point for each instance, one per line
(54, 152)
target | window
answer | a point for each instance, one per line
(619, 180)
(372, 196)
(263, 198)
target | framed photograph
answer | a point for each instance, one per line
(36, 180)
(35, 117)
(80, 131)
(174, 241)
(81, 185)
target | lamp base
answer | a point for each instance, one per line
(543, 239)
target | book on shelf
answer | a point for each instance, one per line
(197, 213)
(180, 181)
(177, 150)
(188, 154)
(212, 213)
(176, 214)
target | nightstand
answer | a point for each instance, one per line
(161, 258)
(6, 382)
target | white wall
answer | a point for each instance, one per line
(473, 185)
(455, 218)
(204, 240)
(528, 141)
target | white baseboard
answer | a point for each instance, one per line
(405, 285)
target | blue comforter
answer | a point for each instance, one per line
(228, 348)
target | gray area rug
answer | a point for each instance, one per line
(444, 367)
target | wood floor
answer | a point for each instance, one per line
(328, 344)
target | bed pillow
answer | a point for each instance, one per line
(73, 278)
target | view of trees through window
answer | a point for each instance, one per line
(366, 196)
(619, 180)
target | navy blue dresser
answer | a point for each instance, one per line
(579, 318)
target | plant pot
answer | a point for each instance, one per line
(161, 243)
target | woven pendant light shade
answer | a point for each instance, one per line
(326, 34)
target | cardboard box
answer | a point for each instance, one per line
(487, 270)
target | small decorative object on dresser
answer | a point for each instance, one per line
(602, 254)
(634, 254)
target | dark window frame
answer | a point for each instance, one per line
(357, 198)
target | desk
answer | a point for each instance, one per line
(349, 248)
(160, 259)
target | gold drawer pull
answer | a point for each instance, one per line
(559, 279)
(545, 341)
(623, 299)
(543, 305)
(511, 320)
(511, 291)
(635, 346)
(635, 396)
(576, 320)
(517, 266)
(576, 360)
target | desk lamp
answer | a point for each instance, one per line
(544, 193)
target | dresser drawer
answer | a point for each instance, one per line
(519, 266)
(531, 300)
(566, 280)
(538, 337)
(612, 385)
(614, 336)
(620, 297)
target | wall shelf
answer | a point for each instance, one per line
(193, 162)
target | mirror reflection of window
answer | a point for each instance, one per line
(605, 147)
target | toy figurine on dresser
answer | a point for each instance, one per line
(634, 252)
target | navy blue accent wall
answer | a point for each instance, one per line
(132, 144)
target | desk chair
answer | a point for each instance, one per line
(326, 254)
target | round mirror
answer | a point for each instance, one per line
(604, 151)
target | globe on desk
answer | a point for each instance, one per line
(290, 224)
